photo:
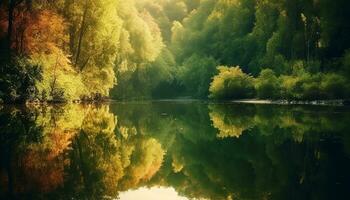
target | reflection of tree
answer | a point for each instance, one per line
(45, 160)
(103, 161)
(233, 120)
(233, 123)
(95, 165)
(284, 153)
(40, 161)
(17, 128)
(78, 154)
(266, 161)
(147, 159)
(88, 152)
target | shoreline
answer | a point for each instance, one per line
(335, 102)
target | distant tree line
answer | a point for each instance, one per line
(294, 49)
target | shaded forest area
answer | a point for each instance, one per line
(89, 50)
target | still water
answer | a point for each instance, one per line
(175, 151)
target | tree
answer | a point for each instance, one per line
(94, 33)
(267, 85)
(231, 83)
(196, 74)
(140, 52)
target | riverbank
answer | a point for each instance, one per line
(338, 102)
(58, 102)
(334, 102)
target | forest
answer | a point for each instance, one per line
(92, 50)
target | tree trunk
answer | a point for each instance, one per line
(11, 8)
(81, 35)
(71, 29)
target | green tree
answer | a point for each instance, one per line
(267, 85)
(94, 32)
(232, 83)
(196, 74)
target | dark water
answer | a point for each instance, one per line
(200, 151)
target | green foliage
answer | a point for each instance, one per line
(196, 74)
(60, 82)
(144, 49)
(18, 82)
(267, 85)
(176, 10)
(143, 81)
(278, 34)
(94, 37)
(308, 86)
(335, 86)
(232, 83)
(143, 61)
(74, 42)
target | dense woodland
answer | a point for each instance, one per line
(67, 50)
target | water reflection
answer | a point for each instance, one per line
(151, 193)
(202, 151)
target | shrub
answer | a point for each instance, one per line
(288, 87)
(308, 86)
(231, 83)
(60, 81)
(311, 87)
(334, 86)
(196, 74)
(303, 86)
(18, 84)
(267, 85)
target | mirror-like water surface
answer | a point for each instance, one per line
(177, 150)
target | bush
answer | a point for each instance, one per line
(311, 87)
(196, 74)
(288, 87)
(60, 82)
(308, 86)
(334, 86)
(267, 85)
(18, 84)
(303, 86)
(231, 83)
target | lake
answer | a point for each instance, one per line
(174, 150)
